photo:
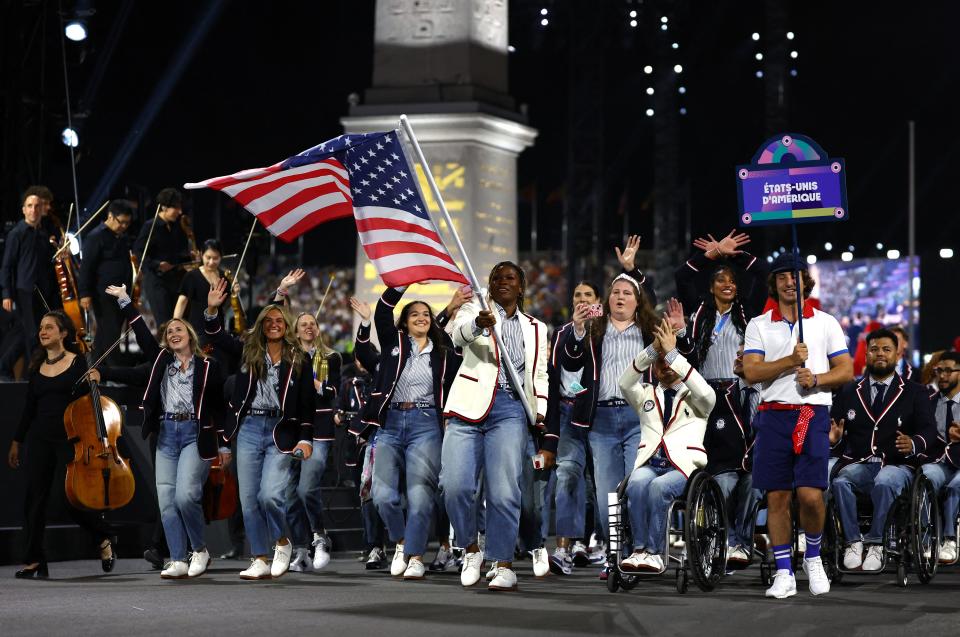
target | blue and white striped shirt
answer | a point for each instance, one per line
(176, 390)
(415, 384)
(619, 350)
(725, 340)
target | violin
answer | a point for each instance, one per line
(239, 323)
(70, 297)
(98, 478)
(136, 279)
(187, 226)
(220, 493)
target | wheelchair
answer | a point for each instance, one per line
(703, 528)
(911, 537)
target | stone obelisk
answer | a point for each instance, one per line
(444, 64)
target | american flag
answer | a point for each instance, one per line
(367, 175)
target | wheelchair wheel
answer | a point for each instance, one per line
(766, 574)
(831, 549)
(902, 575)
(925, 529)
(682, 582)
(705, 530)
(613, 579)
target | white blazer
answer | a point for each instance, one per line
(683, 439)
(472, 393)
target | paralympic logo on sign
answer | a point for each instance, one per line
(791, 180)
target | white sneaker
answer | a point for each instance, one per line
(874, 559)
(819, 582)
(281, 559)
(541, 562)
(853, 556)
(784, 585)
(300, 561)
(415, 570)
(948, 552)
(738, 554)
(579, 554)
(634, 561)
(399, 564)
(199, 561)
(505, 580)
(653, 563)
(258, 569)
(176, 569)
(321, 551)
(470, 571)
(492, 572)
(802, 543)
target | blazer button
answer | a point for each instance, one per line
(876, 428)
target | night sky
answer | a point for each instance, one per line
(271, 78)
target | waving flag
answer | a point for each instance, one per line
(367, 175)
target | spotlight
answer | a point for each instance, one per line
(828, 246)
(633, 14)
(664, 19)
(633, 23)
(790, 35)
(544, 22)
(683, 110)
(893, 254)
(663, 27)
(649, 112)
(759, 56)
(946, 253)
(769, 259)
(648, 69)
(755, 37)
(682, 90)
(675, 46)
(793, 55)
(511, 48)
(75, 30)
(846, 256)
(811, 259)
(851, 248)
(70, 138)
(793, 72)
(759, 73)
(677, 68)
(649, 90)
(544, 11)
(879, 246)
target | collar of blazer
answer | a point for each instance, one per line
(863, 393)
(658, 400)
(735, 405)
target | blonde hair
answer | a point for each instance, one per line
(255, 344)
(321, 342)
(191, 333)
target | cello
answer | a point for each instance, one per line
(98, 478)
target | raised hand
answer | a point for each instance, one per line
(361, 308)
(464, 294)
(216, 296)
(710, 247)
(730, 245)
(118, 291)
(627, 257)
(665, 336)
(291, 279)
(580, 316)
(674, 314)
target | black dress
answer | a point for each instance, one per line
(47, 451)
(196, 287)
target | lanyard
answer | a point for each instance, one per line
(719, 326)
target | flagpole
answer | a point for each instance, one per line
(474, 282)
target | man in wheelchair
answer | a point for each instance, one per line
(889, 429)
(945, 474)
(673, 419)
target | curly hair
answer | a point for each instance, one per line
(808, 284)
(705, 317)
(644, 316)
(520, 274)
(255, 344)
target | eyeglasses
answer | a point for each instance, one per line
(944, 371)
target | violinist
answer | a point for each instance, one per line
(183, 406)
(192, 300)
(271, 411)
(304, 501)
(106, 261)
(167, 251)
(28, 265)
(55, 369)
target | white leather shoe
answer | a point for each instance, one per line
(281, 559)
(504, 580)
(784, 585)
(175, 570)
(415, 570)
(873, 562)
(541, 562)
(492, 572)
(853, 556)
(258, 569)
(819, 582)
(633, 561)
(948, 552)
(199, 561)
(399, 563)
(470, 571)
(300, 561)
(738, 554)
(321, 551)
(652, 562)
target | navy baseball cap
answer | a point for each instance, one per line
(787, 262)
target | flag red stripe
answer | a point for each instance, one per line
(336, 211)
(255, 192)
(222, 182)
(365, 225)
(271, 215)
(387, 248)
(407, 276)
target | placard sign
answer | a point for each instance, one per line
(791, 180)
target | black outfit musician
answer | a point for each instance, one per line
(53, 384)
(27, 271)
(169, 248)
(106, 261)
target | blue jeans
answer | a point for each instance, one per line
(496, 445)
(739, 497)
(649, 494)
(571, 484)
(614, 439)
(945, 477)
(533, 501)
(883, 484)
(408, 453)
(304, 496)
(181, 473)
(263, 472)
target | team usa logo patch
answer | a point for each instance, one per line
(721, 423)
(851, 414)
(648, 405)
(395, 351)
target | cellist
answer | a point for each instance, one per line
(184, 406)
(55, 369)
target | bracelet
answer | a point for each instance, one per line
(816, 380)
(282, 292)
